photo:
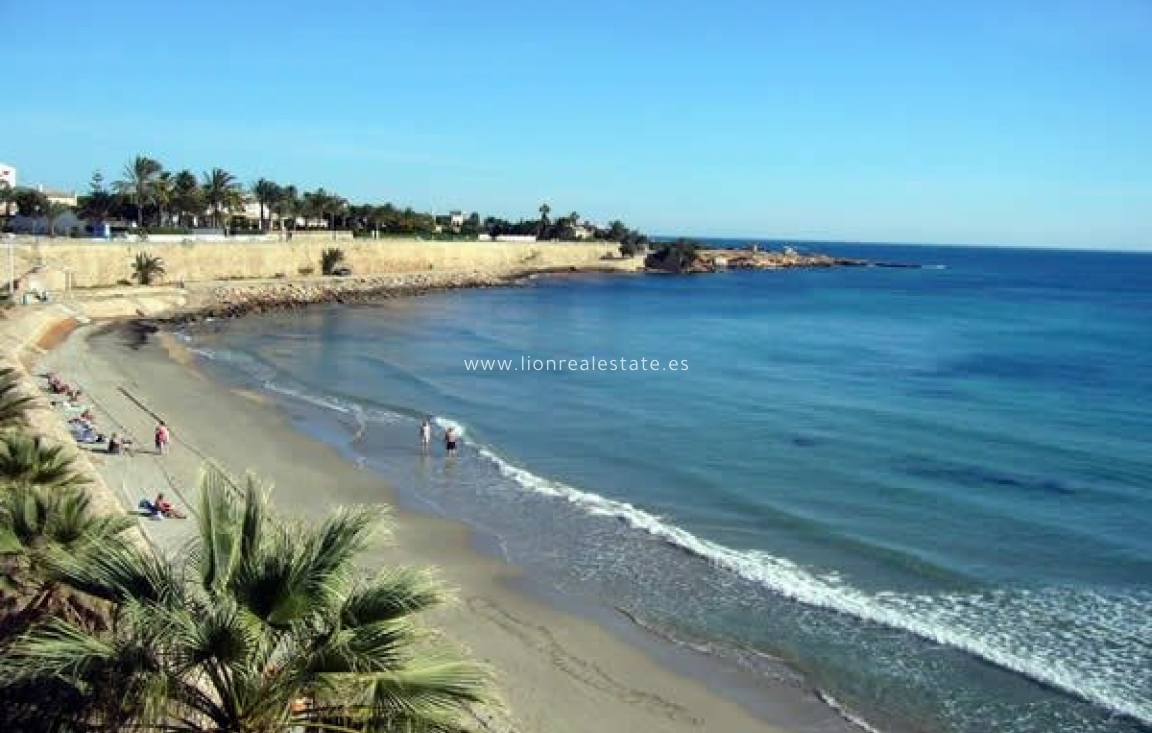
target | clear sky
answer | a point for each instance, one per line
(1022, 122)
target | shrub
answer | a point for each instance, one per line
(329, 258)
(675, 256)
(146, 268)
(306, 271)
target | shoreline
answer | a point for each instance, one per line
(61, 337)
(551, 663)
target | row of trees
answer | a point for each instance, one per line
(260, 625)
(155, 197)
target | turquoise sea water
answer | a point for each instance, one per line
(927, 490)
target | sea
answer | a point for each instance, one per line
(926, 492)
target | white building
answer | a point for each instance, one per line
(7, 175)
(59, 196)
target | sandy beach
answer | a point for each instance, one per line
(553, 667)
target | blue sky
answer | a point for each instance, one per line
(1024, 123)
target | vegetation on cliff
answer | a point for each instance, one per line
(678, 256)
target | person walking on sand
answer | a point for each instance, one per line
(450, 441)
(163, 438)
(426, 434)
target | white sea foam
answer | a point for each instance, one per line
(444, 423)
(845, 713)
(1063, 638)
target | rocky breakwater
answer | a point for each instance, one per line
(712, 259)
(230, 300)
(687, 256)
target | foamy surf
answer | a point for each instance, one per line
(986, 625)
(1084, 664)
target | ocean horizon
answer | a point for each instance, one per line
(925, 491)
(730, 242)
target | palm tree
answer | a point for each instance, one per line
(286, 206)
(146, 268)
(187, 198)
(325, 205)
(545, 209)
(163, 192)
(266, 193)
(139, 177)
(14, 403)
(27, 459)
(37, 524)
(263, 624)
(220, 188)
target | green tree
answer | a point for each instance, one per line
(471, 227)
(37, 525)
(99, 202)
(678, 256)
(261, 625)
(266, 193)
(287, 206)
(327, 206)
(163, 193)
(220, 191)
(545, 224)
(139, 177)
(187, 198)
(146, 268)
(30, 202)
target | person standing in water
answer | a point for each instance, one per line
(425, 434)
(450, 441)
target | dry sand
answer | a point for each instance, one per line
(557, 672)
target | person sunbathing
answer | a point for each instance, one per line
(165, 508)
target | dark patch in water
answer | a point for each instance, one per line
(984, 476)
(803, 441)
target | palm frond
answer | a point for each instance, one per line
(330, 549)
(428, 696)
(393, 594)
(54, 649)
(118, 572)
(29, 459)
(217, 518)
(372, 648)
(14, 403)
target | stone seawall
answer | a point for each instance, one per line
(101, 264)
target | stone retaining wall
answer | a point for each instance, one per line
(101, 264)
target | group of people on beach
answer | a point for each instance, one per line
(451, 437)
(82, 423)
